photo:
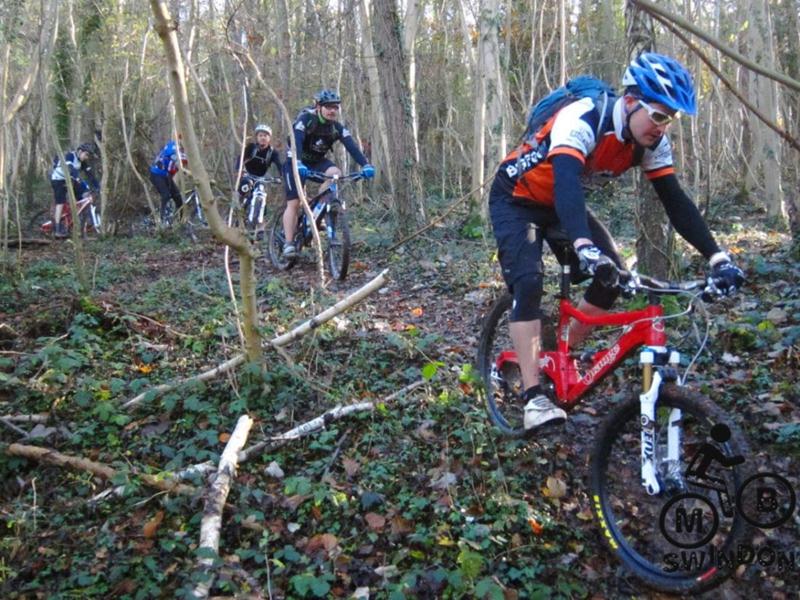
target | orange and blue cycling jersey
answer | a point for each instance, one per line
(527, 173)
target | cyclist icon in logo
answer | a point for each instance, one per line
(697, 471)
(765, 500)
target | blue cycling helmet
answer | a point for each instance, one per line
(662, 79)
(328, 97)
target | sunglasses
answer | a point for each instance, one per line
(331, 106)
(659, 118)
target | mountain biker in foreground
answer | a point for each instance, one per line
(77, 161)
(168, 161)
(315, 131)
(530, 203)
(258, 156)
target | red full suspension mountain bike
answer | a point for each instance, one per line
(650, 437)
(88, 217)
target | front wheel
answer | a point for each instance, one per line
(90, 221)
(683, 539)
(277, 240)
(337, 241)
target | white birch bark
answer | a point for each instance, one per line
(215, 502)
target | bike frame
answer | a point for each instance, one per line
(573, 377)
(319, 204)
(66, 215)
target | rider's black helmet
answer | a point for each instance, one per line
(91, 149)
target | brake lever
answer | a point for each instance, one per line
(711, 292)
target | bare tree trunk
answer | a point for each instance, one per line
(409, 43)
(409, 210)
(10, 107)
(378, 119)
(654, 239)
(166, 29)
(285, 47)
(492, 90)
(765, 161)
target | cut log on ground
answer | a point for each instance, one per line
(215, 502)
(50, 456)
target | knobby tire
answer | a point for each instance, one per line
(629, 517)
(504, 390)
(276, 243)
(337, 241)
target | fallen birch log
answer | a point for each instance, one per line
(39, 418)
(278, 342)
(215, 502)
(50, 456)
(191, 471)
(326, 315)
(318, 423)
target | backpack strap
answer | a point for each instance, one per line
(638, 153)
(602, 118)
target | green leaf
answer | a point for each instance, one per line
(470, 563)
(430, 369)
(320, 587)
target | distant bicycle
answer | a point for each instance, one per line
(330, 217)
(255, 203)
(191, 208)
(88, 217)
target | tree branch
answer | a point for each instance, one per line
(318, 423)
(50, 456)
(277, 342)
(663, 14)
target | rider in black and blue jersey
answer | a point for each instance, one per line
(315, 131)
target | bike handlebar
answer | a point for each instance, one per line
(632, 282)
(319, 176)
(265, 179)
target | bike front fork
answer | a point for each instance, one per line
(658, 472)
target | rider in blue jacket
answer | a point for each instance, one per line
(162, 171)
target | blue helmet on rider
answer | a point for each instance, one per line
(327, 97)
(658, 78)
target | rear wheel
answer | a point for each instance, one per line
(277, 240)
(500, 370)
(37, 220)
(665, 539)
(168, 214)
(337, 241)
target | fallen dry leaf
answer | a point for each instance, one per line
(375, 521)
(351, 467)
(556, 488)
(151, 526)
(536, 527)
(322, 541)
(401, 526)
